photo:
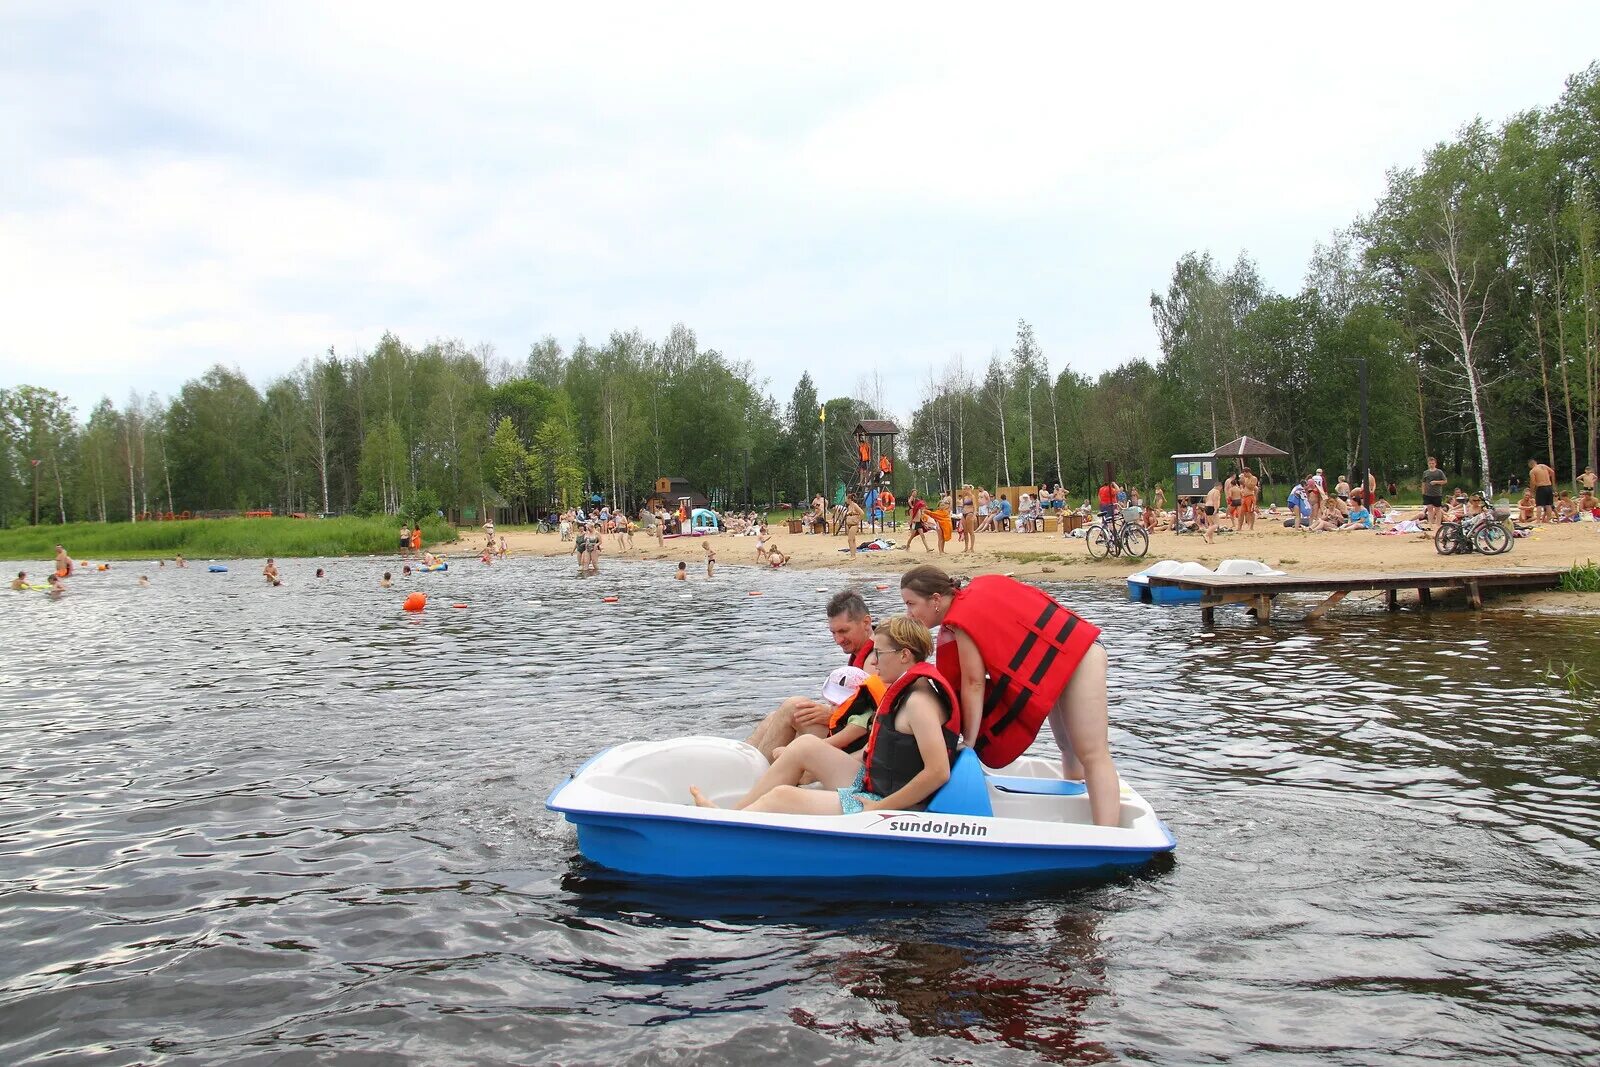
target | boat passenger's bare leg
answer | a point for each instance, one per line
(776, 730)
(792, 800)
(1083, 707)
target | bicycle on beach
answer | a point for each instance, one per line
(1117, 537)
(1488, 535)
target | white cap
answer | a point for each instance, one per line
(842, 684)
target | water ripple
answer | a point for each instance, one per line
(242, 825)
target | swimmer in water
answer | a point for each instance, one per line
(320, 574)
(144, 581)
(683, 573)
(57, 586)
(270, 573)
(711, 558)
(179, 561)
(20, 581)
(387, 580)
(405, 572)
(63, 562)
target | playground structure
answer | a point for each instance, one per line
(874, 453)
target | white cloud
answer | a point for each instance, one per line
(825, 190)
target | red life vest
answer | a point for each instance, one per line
(891, 778)
(1030, 647)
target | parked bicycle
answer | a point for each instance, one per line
(1118, 537)
(1485, 533)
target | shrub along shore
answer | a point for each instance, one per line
(215, 538)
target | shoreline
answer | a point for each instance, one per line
(1051, 557)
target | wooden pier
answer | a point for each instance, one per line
(1259, 590)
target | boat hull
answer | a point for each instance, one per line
(685, 848)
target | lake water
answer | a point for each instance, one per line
(252, 826)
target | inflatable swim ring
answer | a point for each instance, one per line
(432, 567)
(217, 568)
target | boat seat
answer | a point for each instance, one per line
(967, 791)
(1048, 787)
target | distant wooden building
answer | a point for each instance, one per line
(668, 491)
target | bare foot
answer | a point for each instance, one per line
(700, 800)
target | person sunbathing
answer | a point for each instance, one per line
(912, 742)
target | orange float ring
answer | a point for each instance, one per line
(416, 602)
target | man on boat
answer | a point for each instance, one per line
(850, 623)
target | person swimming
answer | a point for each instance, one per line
(320, 573)
(405, 572)
(388, 580)
(144, 581)
(57, 586)
(683, 573)
(20, 581)
(270, 573)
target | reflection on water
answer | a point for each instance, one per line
(242, 825)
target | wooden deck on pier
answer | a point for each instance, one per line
(1259, 590)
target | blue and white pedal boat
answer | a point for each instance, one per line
(1140, 589)
(631, 807)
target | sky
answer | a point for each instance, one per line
(847, 189)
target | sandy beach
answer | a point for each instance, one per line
(1054, 557)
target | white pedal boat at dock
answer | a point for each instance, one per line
(631, 807)
(1140, 589)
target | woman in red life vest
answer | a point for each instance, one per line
(909, 750)
(1017, 658)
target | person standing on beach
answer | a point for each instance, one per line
(1208, 520)
(416, 538)
(1586, 480)
(405, 539)
(1247, 505)
(852, 521)
(1543, 480)
(1433, 480)
(1234, 487)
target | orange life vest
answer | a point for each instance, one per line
(890, 755)
(858, 659)
(1030, 647)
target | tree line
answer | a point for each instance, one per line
(1469, 295)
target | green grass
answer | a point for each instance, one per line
(1582, 578)
(214, 538)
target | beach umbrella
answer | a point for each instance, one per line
(1249, 447)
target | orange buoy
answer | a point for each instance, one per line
(608, 600)
(755, 592)
(458, 605)
(881, 587)
(416, 602)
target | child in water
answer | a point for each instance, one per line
(711, 558)
(387, 580)
(683, 573)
